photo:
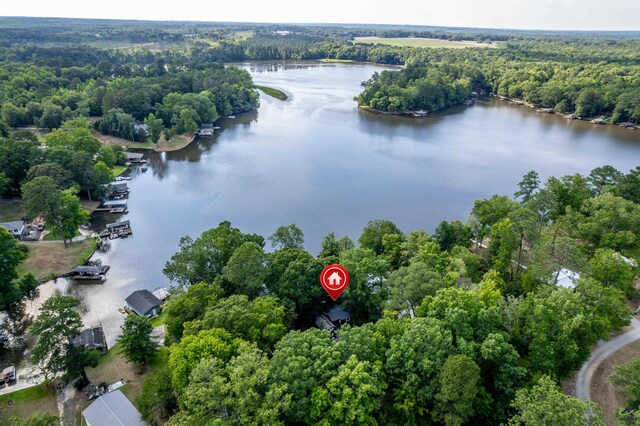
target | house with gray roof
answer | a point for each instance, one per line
(16, 228)
(112, 409)
(144, 303)
(92, 338)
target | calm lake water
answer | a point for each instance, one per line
(319, 162)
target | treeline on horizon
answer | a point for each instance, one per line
(442, 329)
(589, 76)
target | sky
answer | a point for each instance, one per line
(518, 14)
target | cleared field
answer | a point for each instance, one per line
(176, 143)
(50, 258)
(422, 42)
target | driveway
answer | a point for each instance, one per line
(602, 352)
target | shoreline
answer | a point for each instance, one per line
(512, 101)
(50, 257)
(173, 145)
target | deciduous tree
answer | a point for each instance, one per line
(57, 321)
(135, 339)
(202, 259)
(289, 236)
(546, 404)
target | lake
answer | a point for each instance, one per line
(319, 162)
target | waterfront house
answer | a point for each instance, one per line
(112, 408)
(92, 338)
(16, 228)
(333, 319)
(144, 303)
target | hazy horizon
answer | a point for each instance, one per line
(545, 15)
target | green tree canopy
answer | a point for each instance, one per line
(135, 339)
(546, 404)
(373, 234)
(57, 321)
(287, 236)
(202, 259)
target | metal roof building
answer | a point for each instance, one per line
(112, 409)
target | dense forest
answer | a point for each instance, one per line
(588, 78)
(586, 74)
(441, 330)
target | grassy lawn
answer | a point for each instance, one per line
(278, 94)
(53, 234)
(47, 259)
(10, 211)
(113, 367)
(177, 142)
(159, 320)
(118, 170)
(28, 402)
(421, 42)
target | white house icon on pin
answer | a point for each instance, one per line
(335, 279)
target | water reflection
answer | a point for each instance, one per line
(318, 161)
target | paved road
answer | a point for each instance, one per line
(602, 352)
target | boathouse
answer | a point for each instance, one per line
(92, 338)
(144, 303)
(89, 272)
(16, 228)
(118, 188)
(117, 230)
(114, 206)
(112, 408)
(134, 157)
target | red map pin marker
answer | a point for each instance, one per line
(334, 280)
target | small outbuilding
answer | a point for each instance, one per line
(144, 303)
(92, 338)
(16, 228)
(111, 409)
